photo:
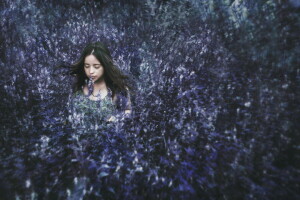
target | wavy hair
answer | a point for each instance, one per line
(117, 81)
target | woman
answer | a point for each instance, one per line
(101, 89)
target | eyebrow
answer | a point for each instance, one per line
(92, 64)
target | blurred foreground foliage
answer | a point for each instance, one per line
(215, 109)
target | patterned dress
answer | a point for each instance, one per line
(86, 114)
(89, 115)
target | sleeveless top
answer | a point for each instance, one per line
(86, 114)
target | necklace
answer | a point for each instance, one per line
(98, 96)
(90, 85)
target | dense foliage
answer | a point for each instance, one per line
(216, 105)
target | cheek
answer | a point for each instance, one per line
(101, 71)
(86, 71)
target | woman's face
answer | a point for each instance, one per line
(93, 68)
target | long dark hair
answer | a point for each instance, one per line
(117, 81)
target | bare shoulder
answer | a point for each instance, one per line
(114, 97)
(85, 90)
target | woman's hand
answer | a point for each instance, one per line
(119, 116)
(127, 112)
(112, 119)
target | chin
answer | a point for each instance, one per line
(97, 80)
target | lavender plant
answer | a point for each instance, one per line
(214, 111)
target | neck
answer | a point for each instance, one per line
(100, 85)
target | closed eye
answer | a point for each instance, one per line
(97, 66)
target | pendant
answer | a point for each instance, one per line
(98, 96)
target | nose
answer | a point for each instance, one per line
(91, 70)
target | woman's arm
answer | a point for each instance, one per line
(123, 104)
(128, 107)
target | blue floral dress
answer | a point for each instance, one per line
(86, 114)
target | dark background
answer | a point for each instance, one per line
(216, 109)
